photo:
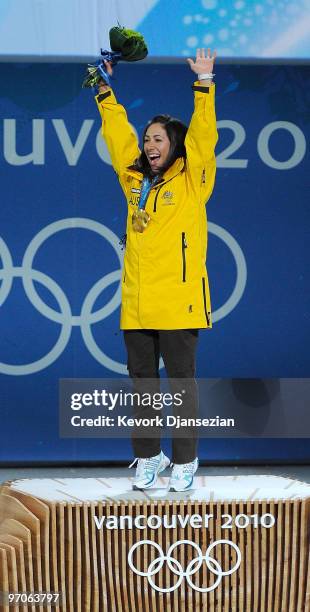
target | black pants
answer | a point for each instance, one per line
(178, 350)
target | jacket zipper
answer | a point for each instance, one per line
(155, 201)
(205, 300)
(158, 190)
(184, 246)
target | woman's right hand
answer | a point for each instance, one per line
(102, 86)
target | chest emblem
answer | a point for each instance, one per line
(167, 195)
(167, 198)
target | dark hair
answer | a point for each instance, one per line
(176, 132)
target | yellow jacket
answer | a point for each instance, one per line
(165, 282)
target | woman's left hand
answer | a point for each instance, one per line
(204, 62)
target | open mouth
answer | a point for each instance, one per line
(153, 159)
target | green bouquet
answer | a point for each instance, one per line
(127, 45)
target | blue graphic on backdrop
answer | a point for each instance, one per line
(266, 28)
(87, 316)
(237, 28)
(63, 214)
(4, 8)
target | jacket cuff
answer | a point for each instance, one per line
(101, 97)
(201, 88)
(107, 95)
(104, 100)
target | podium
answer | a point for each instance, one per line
(232, 544)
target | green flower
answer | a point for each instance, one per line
(126, 45)
(129, 43)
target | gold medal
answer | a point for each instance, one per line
(140, 219)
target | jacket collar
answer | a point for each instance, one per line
(176, 168)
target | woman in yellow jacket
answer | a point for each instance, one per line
(165, 291)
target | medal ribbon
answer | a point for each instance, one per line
(146, 186)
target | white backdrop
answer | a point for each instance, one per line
(64, 27)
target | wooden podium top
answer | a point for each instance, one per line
(232, 543)
(207, 488)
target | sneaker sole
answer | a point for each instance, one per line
(179, 490)
(136, 488)
(190, 486)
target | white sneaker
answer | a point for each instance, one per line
(182, 476)
(148, 469)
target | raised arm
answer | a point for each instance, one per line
(202, 134)
(117, 132)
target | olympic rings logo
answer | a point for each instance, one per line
(87, 317)
(193, 567)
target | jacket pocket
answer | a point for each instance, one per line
(124, 272)
(184, 247)
(205, 300)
